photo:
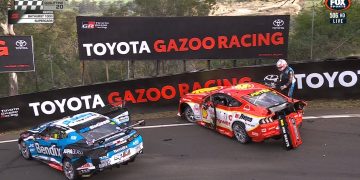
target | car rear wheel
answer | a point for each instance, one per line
(240, 133)
(24, 150)
(188, 114)
(69, 170)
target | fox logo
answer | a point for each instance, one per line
(4, 51)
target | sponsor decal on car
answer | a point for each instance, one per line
(125, 153)
(52, 150)
(205, 90)
(104, 163)
(227, 123)
(120, 149)
(244, 86)
(254, 133)
(257, 93)
(99, 124)
(245, 118)
(72, 151)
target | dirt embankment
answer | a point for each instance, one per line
(271, 7)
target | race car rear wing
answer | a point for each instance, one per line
(279, 107)
(124, 130)
(118, 113)
(287, 107)
(112, 110)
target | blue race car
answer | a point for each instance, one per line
(84, 143)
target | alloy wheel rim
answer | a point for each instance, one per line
(24, 150)
(190, 115)
(239, 133)
(68, 170)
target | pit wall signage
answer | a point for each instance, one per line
(149, 38)
(338, 79)
(16, 54)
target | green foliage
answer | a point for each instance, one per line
(3, 8)
(330, 40)
(57, 43)
(174, 7)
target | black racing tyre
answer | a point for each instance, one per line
(69, 170)
(277, 137)
(132, 159)
(240, 133)
(188, 114)
(24, 150)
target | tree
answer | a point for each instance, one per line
(174, 7)
(330, 40)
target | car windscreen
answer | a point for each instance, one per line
(265, 98)
(99, 130)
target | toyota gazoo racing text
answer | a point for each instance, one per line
(85, 143)
(248, 111)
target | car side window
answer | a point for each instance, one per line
(54, 133)
(46, 132)
(221, 99)
(226, 100)
(233, 102)
(57, 133)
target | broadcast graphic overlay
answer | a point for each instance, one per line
(46, 5)
(30, 17)
(34, 11)
(337, 16)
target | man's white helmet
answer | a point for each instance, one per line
(281, 64)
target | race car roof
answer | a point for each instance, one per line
(236, 91)
(243, 89)
(78, 119)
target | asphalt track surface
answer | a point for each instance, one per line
(330, 150)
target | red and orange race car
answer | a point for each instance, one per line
(248, 111)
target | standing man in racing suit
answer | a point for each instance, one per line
(287, 78)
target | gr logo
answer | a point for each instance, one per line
(337, 5)
(88, 25)
(4, 50)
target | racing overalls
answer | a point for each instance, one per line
(284, 79)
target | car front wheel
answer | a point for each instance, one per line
(240, 133)
(69, 170)
(24, 150)
(189, 115)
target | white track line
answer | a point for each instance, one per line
(8, 141)
(143, 127)
(165, 125)
(310, 117)
(190, 124)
